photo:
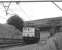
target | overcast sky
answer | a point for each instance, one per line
(31, 11)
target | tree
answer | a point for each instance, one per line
(16, 21)
(57, 38)
(53, 24)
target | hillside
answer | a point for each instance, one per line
(43, 22)
(8, 31)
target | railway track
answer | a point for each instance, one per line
(8, 43)
(4, 43)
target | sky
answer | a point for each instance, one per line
(31, 11)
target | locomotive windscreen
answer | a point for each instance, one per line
(28, 32)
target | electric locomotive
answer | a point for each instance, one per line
(31, 35)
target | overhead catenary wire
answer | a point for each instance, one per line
(23, 10)
(6, 6)
(57, 6)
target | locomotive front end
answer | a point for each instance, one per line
(30, 35)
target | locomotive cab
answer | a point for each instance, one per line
(31, 35)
